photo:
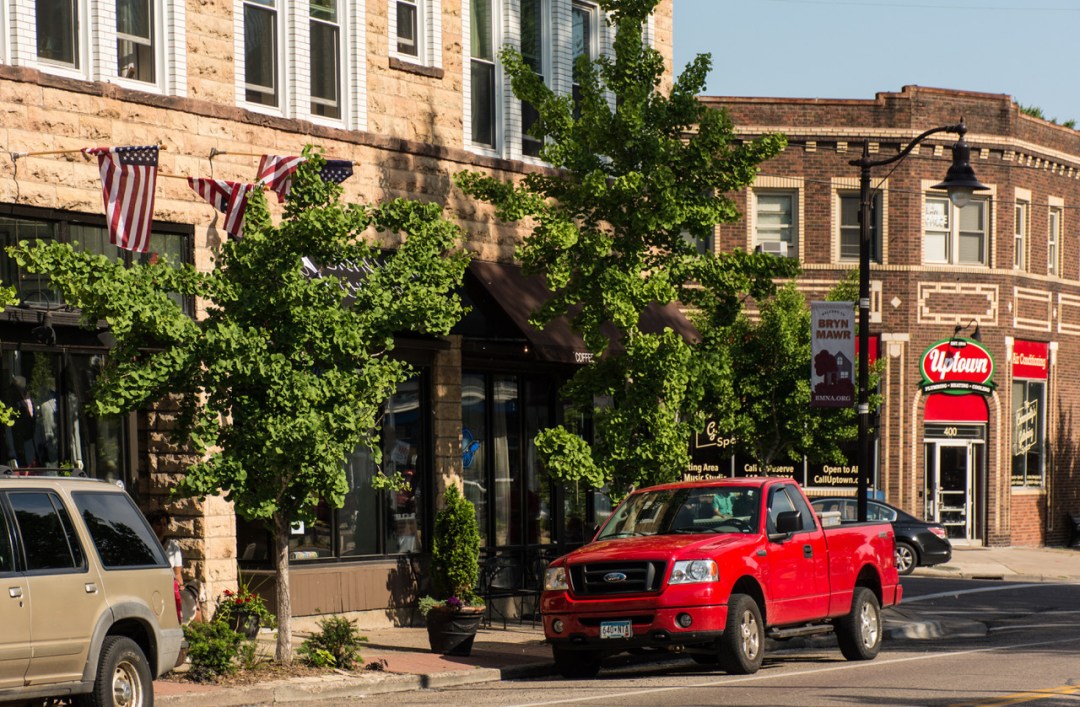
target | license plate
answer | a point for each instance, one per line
(615, 629)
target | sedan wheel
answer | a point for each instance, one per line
(906, 558)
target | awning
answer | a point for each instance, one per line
(519, 296)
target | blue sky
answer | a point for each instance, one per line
(1027, 49)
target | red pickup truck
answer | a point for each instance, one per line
(713, 568)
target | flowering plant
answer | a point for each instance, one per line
(235, 608)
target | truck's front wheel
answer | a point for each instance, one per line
(859, 633)
(576, 664)
(742, 647)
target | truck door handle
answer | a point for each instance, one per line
(761, 553)
(807, 551)
(14, 592)
(90, 588)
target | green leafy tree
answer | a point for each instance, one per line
(286, 374)
(640, 179)
(769, 360)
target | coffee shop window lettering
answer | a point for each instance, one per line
(1029, 433)
(370, 523)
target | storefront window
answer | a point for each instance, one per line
(537, 489)
(370, 522)
(1029, 433)
(35, 291)
(49, 392)
(473, 452)
(506, 460)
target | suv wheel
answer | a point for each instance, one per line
(123, 676)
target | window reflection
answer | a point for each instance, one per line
(49, 393)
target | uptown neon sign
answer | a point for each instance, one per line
(957, 366)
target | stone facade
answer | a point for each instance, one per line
(404, 127)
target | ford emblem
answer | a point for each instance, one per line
(614, 577)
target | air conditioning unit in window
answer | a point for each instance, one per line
(779, 248)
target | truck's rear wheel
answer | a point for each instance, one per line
(859, 633)
(574, 665)
(742, 647)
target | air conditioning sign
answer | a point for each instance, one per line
(957, 366)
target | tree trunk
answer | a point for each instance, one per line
(284, 601)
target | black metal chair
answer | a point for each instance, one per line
(536, 562)
(498, 585)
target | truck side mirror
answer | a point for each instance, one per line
(787, 522)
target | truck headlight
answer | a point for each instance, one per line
(691, 571)
(555, 579)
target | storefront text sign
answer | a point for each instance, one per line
(957, 366)
(832, 351)
(1030, 359)
(1025, 427)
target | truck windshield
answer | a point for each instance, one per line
(714, 509)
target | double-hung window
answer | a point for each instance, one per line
(1053, 242)
(482, 72)
(954, 236)
(410, 27)
(851, 229)
(135, 40)
(774, 223)
(325, 38)
(58, 32)
(583, 42)
(1020, 221)
(261, 79)
(535, 46)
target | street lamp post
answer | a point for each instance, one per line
(959, 182)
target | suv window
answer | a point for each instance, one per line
(48, 538)
(120, 533)
(7, 553)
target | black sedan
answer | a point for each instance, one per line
(918, 543)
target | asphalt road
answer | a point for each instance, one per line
(1008, 644)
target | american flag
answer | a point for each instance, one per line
(276, 173)
(128, 178)
(230, 198)
(336, 171)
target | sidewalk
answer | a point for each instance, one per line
(520, 651)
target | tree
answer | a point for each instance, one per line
(770, 361)
(286, 374)
(640, 179)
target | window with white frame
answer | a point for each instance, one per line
(409, 30)
(58, 32)
(851, 231)
(583, 41)
(774, 222)
(1053, 242)
(1020, 230)
(261, 79)
(482, 43)
(135, 46)
(535, 49)
(954, 236)
(325, 39)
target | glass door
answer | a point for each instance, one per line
(949, 466)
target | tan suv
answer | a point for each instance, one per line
(87, 603)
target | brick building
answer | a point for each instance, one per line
(412, 92)
(998, 468)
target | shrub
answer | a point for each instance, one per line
(455, 554)
(337, 644)
(213, 648)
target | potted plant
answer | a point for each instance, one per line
(244, 611)
(453, 615)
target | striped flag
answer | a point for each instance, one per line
(276, 173)
(336, 171)
(128, 179)
(230, 198)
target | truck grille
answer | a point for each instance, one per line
(604, 577)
